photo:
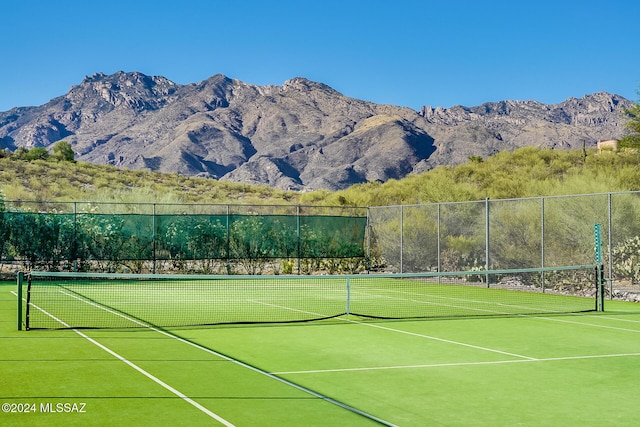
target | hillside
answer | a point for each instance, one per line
(302, 135)
(527, 172)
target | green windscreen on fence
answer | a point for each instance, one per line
(92, 300)
(42, 237)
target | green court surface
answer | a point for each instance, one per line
(517, 370)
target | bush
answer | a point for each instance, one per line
(626, 260)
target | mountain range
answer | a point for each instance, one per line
(302, 135)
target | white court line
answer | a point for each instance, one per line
(413, 334)
(430, 302)
(441, 365)
(591, 325)
(476, 347)
(520, 359)
(605, 316)
(229, 359)
(139, 369)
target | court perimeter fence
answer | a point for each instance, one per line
(539, 232)
(534, 232)
(149, 237)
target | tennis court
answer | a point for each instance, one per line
(453, 356)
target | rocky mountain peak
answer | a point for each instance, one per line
(133, 90)
(302, 135)
(304, 85)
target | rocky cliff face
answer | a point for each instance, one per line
(301, 135)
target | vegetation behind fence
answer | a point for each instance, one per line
(510, 234)
(181, 238)
(256, 239)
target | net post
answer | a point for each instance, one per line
(597, 243)
(600, 290)
(19, 280)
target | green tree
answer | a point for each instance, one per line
(63, 152)
(632, 140)
(19, 153)
(37, 153)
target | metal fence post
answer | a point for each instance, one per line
(401, 239)
(228, 242)
(542, 241)
(439, 248)
(486, 238)
(299, 248)
(610, 248)
(154, 237)
(368, 241)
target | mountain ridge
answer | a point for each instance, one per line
(303, 135)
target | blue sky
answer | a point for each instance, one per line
(403, 52)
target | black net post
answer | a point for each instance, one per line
(600, 287)
(20, 279)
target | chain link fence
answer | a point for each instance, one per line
(511, 234)
(284, 239)
(141, 238)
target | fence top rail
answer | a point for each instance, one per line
(510, 199)
(87, 202)
(293, 206)
(33, 206)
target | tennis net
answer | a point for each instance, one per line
(93, 300)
